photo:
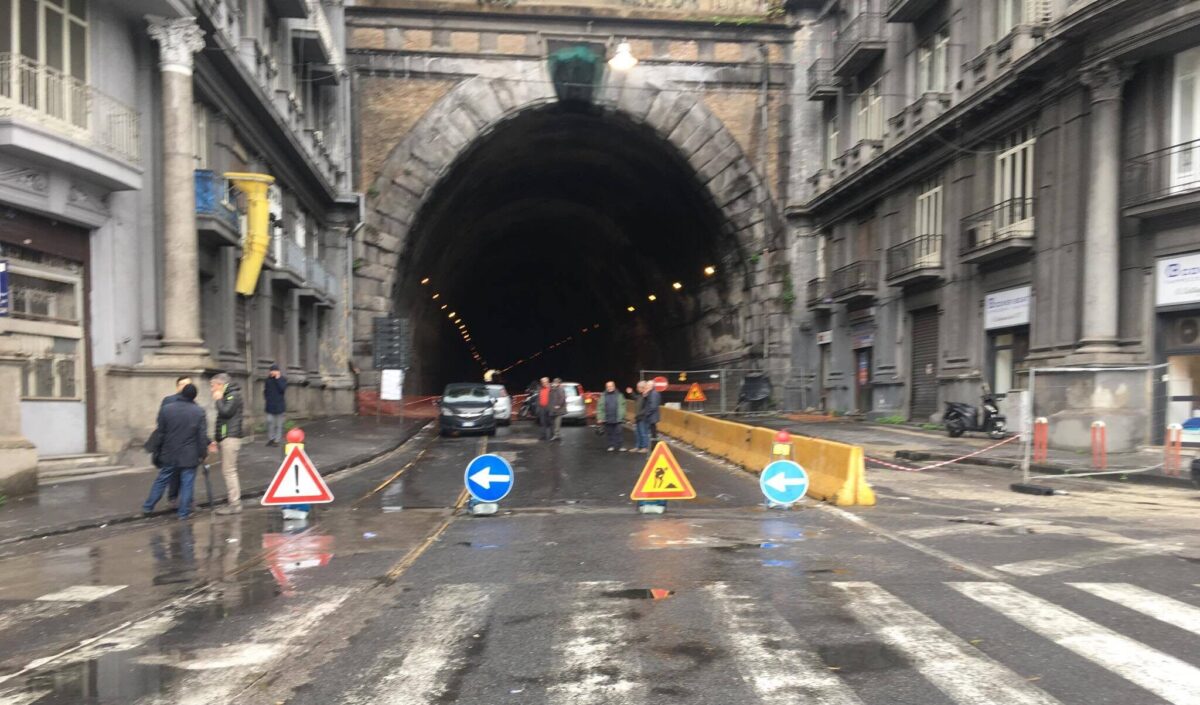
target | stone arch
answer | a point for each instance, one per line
(478, 105)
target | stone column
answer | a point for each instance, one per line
(178, 39)
(1101, 261)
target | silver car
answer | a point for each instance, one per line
(501, 403)
(576, 408)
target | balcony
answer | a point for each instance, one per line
(858, 156)
(216, 218)
(291, 262)
(859, 43)
(817, 298)
(916, 115)
(290, 8)
(916, 261)
(312, 43)
(821, 181)
(50, 116)
(321, 281)
(856, 283)
(908, 10)
(1000, 231)
(822, 83)
(1162, 182)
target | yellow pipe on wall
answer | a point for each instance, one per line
(254, 250)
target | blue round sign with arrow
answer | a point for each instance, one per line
(489, 478)
(783, 482)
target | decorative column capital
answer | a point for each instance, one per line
(1105, 80)
(178, 39)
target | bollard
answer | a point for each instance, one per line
(1173, 450)
(781, 449)
(1099, 445)
(294, 512)
(1041, 439)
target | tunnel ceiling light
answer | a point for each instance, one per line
(425, 280)
(652, 297)
(595, 326)
(436, 297)
(624, 59)
(710, 270)
(677, 286)
(445, 306)
(631, 309)
(452, 314)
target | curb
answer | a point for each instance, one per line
(97, 522)
(1140, 478)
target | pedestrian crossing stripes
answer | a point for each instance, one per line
(1087, 559)
(1151, 604)
(1164, 675)
(55, 604)
(595, 639)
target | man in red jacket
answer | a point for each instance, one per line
(545, 420)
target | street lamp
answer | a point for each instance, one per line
(624, 59)
(710, 270)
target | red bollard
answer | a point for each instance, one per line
(1099, 445)
(1173, 450)
(1041, 439)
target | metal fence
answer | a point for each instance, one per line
(727, 391)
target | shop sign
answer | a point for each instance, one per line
(3, 287)
(825, 337)
(1008, 308)
(862, 336)
(1178, 280)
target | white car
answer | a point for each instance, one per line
(501, 404)
(576, 408)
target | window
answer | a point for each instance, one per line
(832, 133)
(932, 64)
(869, 109)
(53, 371)
(1014, 188)
(1008, 16)
(41, 299)
(1008, 351)
(929, 208)
(1185, 120)
(49, 40)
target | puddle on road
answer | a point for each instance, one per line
(477, 546)
(639, 594)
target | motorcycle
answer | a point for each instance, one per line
(961, 417)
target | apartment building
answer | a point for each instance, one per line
(174, 199)
(1003, 185)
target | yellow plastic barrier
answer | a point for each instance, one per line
(836, 471)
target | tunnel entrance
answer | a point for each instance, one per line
(528, 255)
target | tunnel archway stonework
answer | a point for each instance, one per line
(476, 107)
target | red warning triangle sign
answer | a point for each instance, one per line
(695, 393)
(297, 482)
(662, 478)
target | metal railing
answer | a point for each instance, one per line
(921, 252)
(68, 106)
(866, 27)
(862, 275)
(212, 199)
(290, 255)
(815, 293)
(1009, 220)
(1165, 172)
(320, 279)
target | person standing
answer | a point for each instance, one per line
(543, 408)
(653, 404)
(610, 412)
(275, 404)
(227, 397)
(558, 407)
(641, 426)
(182, 444)
(173, 488)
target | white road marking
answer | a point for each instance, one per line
(23, 697)
(1162, 674)
(966, 527)
(962, 672)
(431, 645)
(1084, 560)
(82, 593)
(789, 672)
(1151, 604)
(595, 647)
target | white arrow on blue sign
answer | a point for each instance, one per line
(783, 482)
(489, 478)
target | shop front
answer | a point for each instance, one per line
(1177, 302)
(1006, 322)
(862, 341)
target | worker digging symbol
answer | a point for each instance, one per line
(659, 473)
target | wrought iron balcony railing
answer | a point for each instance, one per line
(1165, 172)
(921, 252)
(822, 83)
(857, 277)
(1011, 220)
(212, 199)
(816, 295)
(68, 106)
(866, 32)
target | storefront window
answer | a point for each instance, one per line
(39, 299)
(1008, 350)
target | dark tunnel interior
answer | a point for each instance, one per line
(546, 231)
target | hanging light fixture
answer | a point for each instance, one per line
(624, 59)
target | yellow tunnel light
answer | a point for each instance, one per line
(652, 297)
(425, 280)
(445, 306)
(710, 270)
(257, 221)
(451, 315)
(677, 286)
(436, 297)
(631, 309)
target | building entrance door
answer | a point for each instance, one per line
(923, 384)
(862, 379)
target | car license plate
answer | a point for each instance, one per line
(468, 423)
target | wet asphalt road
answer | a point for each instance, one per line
(953, 590)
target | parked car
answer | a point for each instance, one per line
(501, 404)
(576, 408)
(466, 407)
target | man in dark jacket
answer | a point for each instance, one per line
(227, 397)
(173, 488)
(182, 446)
(275, 398)
(558, 407)
(610, 411)
(653, 404)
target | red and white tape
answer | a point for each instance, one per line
(910, 468)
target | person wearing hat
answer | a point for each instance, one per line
(275, 396)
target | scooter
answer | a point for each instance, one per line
(961, 417)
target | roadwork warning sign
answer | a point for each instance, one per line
(695, 393)
(662, 478)
(297, 482)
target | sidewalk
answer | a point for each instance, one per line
(910, 446)
(71, 504)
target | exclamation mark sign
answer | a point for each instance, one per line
(296, 474)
